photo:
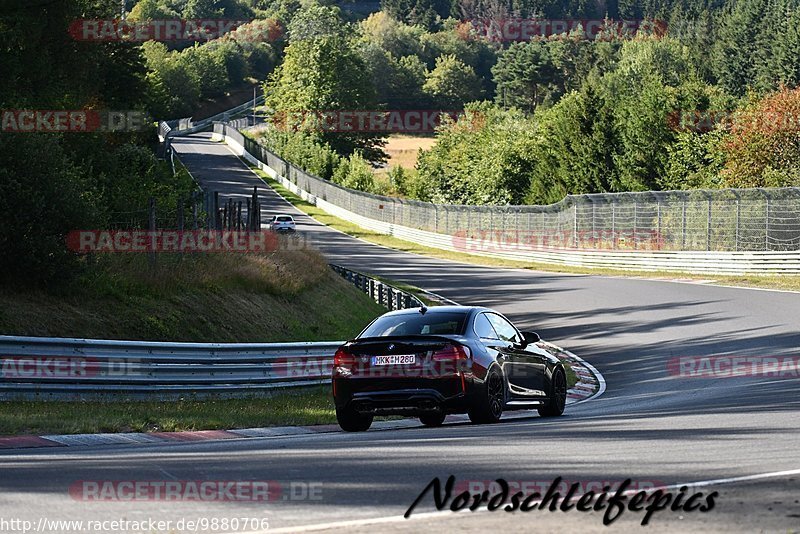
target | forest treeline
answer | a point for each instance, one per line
(709, 102)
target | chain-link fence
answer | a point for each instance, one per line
(713, 220)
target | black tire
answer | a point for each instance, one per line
(352, 421)
(489, 407)
(558, 396)
(432, 418)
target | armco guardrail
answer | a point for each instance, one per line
(62, 368)
(78, 368)
(384, 294)
(512, 232)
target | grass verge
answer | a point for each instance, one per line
(782, 282)
(300, 407)
(306, 406)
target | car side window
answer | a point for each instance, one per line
(504, 329)
(483, 328)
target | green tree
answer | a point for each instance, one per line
(398, 82)
(425, 13)
(203, 9)
(175, 88)
(486, 157)
(316, 21)
(740, 54)
(323, 74)
(783, 64)
(452, 83)
(695, 160)
(577, 150)
(524, 75)
(382, 30)
(207, 67)
(152, 10)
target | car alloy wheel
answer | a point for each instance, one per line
(495, 392)
(558, 396)
(489, 408)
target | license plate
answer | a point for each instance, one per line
(396, 359)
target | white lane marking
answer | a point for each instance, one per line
(445, 514)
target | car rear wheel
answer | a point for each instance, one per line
(432, 419)
(558, 396)
(489, 407)
(353, 421)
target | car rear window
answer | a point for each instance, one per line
(284, 219)
(409, 324)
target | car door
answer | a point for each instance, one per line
(525, 369)
(498, 348)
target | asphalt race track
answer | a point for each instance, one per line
(649, 426)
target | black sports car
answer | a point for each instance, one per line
(430, 362)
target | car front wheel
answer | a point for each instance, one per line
(558, 396)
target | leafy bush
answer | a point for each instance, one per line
(43, 196)
(486, 157)
(764, 145)
(355, 173)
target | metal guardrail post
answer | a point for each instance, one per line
(738, 218)
(574, 223)
(151, 226)
(635, 221)
(767, 216)
(683, 231)
(708, 224)
(659, 241)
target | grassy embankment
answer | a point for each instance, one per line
(286, 296)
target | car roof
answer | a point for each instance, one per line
(439, 309)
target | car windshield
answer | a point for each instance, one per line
(284, 219)
(409, 324)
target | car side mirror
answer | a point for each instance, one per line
(529, 338)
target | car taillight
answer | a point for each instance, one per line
(451, 353)
(343, 361)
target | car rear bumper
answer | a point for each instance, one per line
(402, 396)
